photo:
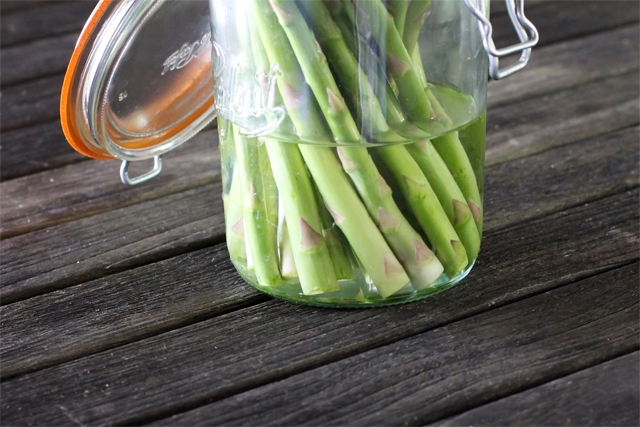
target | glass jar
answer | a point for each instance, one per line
(352, 138)
(352, 132)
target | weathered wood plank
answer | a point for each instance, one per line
(139, 233)
(561, 178)
(428, 376)
(570, 64)
(606, 394)
(538, 124)
(50, 19)
(34, 149)
(104, 244)
(260, 344)
(43, 57)
(561, 20)
(82, 189)
(8, 6)
(31, 103)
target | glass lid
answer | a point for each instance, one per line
(139, 82)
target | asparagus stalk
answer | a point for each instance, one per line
(349, 213)
(411, 179)
(411, 96)
(398, 9)
(232, 199)
(336, 242)
(416, 13)
(259, 227)
(452, 152)
(405, 242)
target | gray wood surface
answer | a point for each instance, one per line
(45, 19)
(50, 197)
(432, 374)
(121, 306)
(605, 394)
(269, 341)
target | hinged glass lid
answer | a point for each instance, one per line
(139, 82)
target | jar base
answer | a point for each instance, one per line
(353, 293)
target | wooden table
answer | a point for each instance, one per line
(120, 305)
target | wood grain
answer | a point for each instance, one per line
(606, 394)
(46, 20)
(560, 178)
(571, 19)
(538, 124)
(77, 251)
(570, 64)
(46, 146)
(31, 103)
(266, 342)
(428, 376)
(8, 6)
(104, 244)
(82, 189)
(40, 58)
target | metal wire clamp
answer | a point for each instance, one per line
(124, 172)
(527, 33)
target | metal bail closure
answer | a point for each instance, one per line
(527, 33)
(124, 172)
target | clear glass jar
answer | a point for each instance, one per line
(352, 138)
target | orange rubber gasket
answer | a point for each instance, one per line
(68, 125)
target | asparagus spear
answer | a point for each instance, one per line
(287, 261)
(411, 96)
(452, 152)
(416, 13)
(232, 199)
(259, 225)
(398, 9)
(349, 213)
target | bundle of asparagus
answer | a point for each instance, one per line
(393, 218)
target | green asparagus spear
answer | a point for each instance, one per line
(411, 96)
(232, 198)
(259, 226)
